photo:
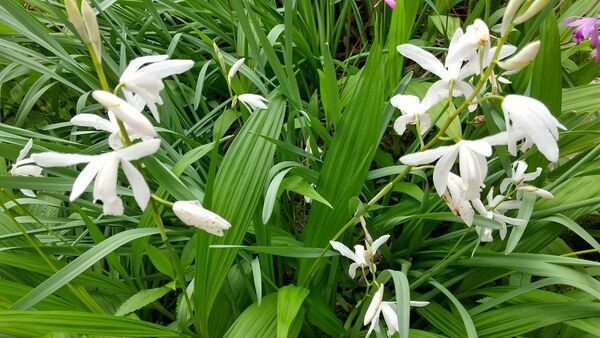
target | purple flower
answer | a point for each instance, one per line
(585, 28)
(391, 3)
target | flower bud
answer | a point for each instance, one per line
(509, 14)
(535, 7)
(76, 20)
(234, 69)
(522, 58)
(192, 213)
(537, 191)
(91, 26)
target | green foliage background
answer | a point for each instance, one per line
(328, 69)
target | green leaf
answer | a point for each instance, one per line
(141, 299)
(299, 185)
(79, 265)
(289, 303)
(160, 260)
(24, 323)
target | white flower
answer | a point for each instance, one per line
(475, 36)
(234, 69)
(519, 177)
(456, 199)
(131, 111)
(388, 309)
(23, 167)
(521, 59)
(253, 101)
(451, 72)
(495, 209)
(535, 7)
(147, 82)
(412, 109)
(362, 258)
(471, 158)
(105, 168)
(192, 213)
(530, 119)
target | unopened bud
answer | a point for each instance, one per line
(535, 7)
(537, 191)
(509, 14)
(91, 26)
(76, 20)
(234, 68)
(522, 58)
(192, 213)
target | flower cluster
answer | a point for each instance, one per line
(527, 121)
(132, 135)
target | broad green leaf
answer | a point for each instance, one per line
(289, 304)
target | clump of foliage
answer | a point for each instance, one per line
(418, 168)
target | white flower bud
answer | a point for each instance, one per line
(91, 26)
(538, 191)
(234, 69)
(509, 14)
(522, 58)
(76, 20)
(192, 213)
(535, 7)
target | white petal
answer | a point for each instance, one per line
(442, 169)
(408, 104)
(135, 64)
(509, 220)
(401, 122)
(438, 91)
(27, 170)
(193, 214)
(343, 250)
(163, 69)
(481, 147)
(417, 303)
(105, 186)
(378, 242)
(125, 112)
(424, 122)
(478, 205)
(54, 159)
(139, 150)
(113, 207)
(92, 121)
(28, 193)
(494, 140)
(352, 269)
(425, 59)
(427, 156)
(85, 177)
(23, 153)
(391, 319)
(141, 192)
(538, 191)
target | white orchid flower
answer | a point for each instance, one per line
(132, 111)
(253, 101)
(530, 119)
(412, 109)
(105, 169)
(361, 257)
(519, 177)
(192, 213)
(388, 309)
(455, 198)
(475, 36)
(495, 209)
(471, 158)
(521, 59)
(24, 167)
(143, 76)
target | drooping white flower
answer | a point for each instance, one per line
(388, 309)
(110, 125)
(472, 162)
(253, 101)
(521, 59)
(105, 169)
(143, 76)
(234, 69)
(528, 118)
(412, 109)
(361, 257)
(495, 209)
(456, 199)
(192, 213)
(24, 167)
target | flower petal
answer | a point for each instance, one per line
(139, 150)
(427, 156)
(343, 250)
(85, 177)
(54, 159)
(23, 153)
(135, 64)
(141, 191)
(425, 59)
(442, 169)
(378, 242)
